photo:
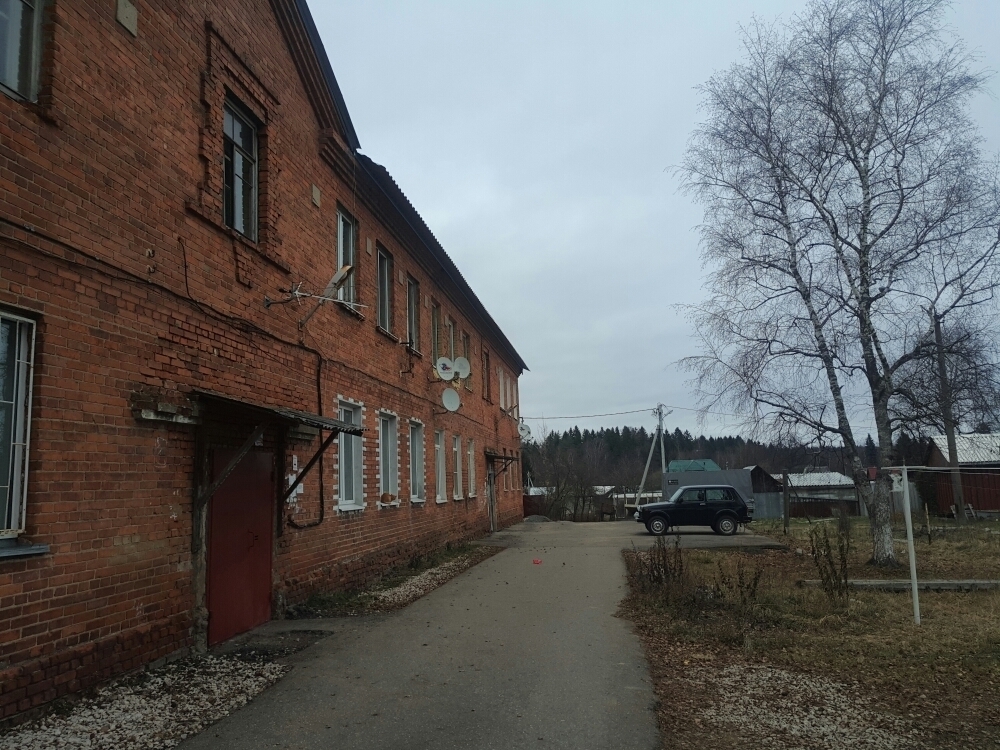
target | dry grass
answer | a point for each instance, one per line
(934, 686)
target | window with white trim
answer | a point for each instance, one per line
(384, 290)
(451, 338)
(472, 468)
(388, 455)
(440, 474)
(413, 313)
(17, 346)
(350, 487)
(503, 389)
(346, 255)
(417, 461)
(20, 46)
(456, 450)
(435, 333)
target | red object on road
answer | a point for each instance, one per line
(536, 561)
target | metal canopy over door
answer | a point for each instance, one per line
(240, 523)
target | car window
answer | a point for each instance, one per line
(734, 496)
(692, 496)
(717, 496)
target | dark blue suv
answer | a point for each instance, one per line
(719, 506)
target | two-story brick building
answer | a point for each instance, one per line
(179, 183)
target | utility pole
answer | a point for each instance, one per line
(949, 421)
(658, 437)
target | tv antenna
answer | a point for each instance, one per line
(451, 400)
(445, 368)
(462, 368)
(523, 430)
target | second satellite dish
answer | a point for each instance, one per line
(445, 368)
(524, 431)
(462, 367)
(451, 400)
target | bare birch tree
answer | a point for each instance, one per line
(844, 196)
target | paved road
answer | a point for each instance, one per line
(511, 654)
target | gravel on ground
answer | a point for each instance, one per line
(154, 709)
(776, 709)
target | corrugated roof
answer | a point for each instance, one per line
(692, 464)
(398, 198)
(817, 479)
(972, 449)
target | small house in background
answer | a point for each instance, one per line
(768, 500)
(817, 493)
(692, 464)
(979, 464)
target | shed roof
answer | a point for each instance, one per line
(817, 479)
(972, 449)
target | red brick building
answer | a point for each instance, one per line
(168, 172)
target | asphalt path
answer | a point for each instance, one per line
(521, 651)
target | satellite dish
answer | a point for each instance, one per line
(445, 368)
(462, 367)
(451, 399)
(524, 431)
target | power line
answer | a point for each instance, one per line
(637, 411)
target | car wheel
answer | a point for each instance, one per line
(657, 526)
(726, 526)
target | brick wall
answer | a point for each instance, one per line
(111, 239)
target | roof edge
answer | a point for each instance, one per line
(331, 79)
(412, 217)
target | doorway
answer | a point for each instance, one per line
(491, 494)
(240, 523)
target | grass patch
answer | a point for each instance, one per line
(933, 686)
(399, 586)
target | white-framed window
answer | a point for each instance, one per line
(17, 350)
(240, 168)
(20, 46)
(417, 462)
(450, 325)
(503, 389)
(413, 313)
(350, 487)
(388, 455)
(435, 333)
(456, 450)
(472, 467)
(440, 474)
(384, 290)
(346, 255)
(467, 353)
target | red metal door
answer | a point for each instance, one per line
(240, 520)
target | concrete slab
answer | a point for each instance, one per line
(510, 654)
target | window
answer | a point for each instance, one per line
(456, 449)
(435, 333)
(466, 352)
(472, 468)
(351, 461)
(240, 160)
(346, 255)
(413, 313)
(17, 344)
(487, 390)
(717, 497)
(388, 458)
(503, 389)
(20, 46)
(384, 290)
(451, 339)
(416, 461)
(440, 476)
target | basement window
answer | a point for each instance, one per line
(20, 47)
(17, 345)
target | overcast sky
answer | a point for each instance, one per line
(535, 138)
